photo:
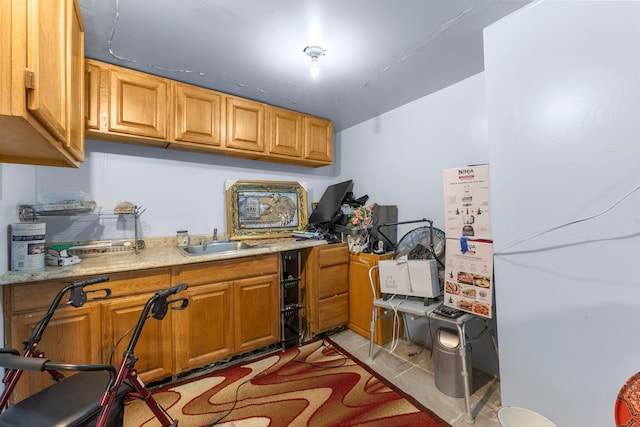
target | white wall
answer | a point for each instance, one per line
(179, 190)
(399, 157)
(17, 184)
(563, 91)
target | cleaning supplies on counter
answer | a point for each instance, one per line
(57, 255)
(65, 254)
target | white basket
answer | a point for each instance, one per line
(100, 249)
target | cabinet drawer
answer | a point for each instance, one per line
(30, 296)
(332, 255)
(220, 271)
(333, 312)
(333, 280)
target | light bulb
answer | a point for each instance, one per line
(315, 69)
(314, 52)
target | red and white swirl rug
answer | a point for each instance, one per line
(317, 384)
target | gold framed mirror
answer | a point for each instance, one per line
(265, 209)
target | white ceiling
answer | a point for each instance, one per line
(380, 54)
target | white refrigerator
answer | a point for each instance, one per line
(563, 103)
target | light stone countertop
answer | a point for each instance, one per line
(150, 257)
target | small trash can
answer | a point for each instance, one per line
(448, 363)
(512, 416)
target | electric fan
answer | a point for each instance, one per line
(422, 243)
(425, 242)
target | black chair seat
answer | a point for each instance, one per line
(74, 401)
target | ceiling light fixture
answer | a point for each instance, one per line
(314, 52)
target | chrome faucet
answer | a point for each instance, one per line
(214, 239)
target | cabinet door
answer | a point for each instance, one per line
(75, 138)
(318, 140)
(245, 125)
(285, 132)
(47, 96)
(197, 115)
(361, 297)
(73, 336)
(153, 349)
(91, 95)
(138, 103)
(256, 308)
(205, 328)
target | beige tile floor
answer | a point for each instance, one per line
(410, 368)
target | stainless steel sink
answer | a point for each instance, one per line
(213, 248)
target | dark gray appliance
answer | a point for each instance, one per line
(291, 331)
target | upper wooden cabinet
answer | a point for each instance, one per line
(285, 133)
(246, 122)
(197, 116)
(137, 103)
(123, 105)
(318, 140)
(299, 139)
(92, 95)
(126, 105)
(75, 135)
(41, 82)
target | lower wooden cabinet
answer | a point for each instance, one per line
(83, 324)
(205, 328)
(256, 312)
(154, 348)
(88, 334)
(327, 287)
(361, 297)
(234, 307)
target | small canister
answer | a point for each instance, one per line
(27, 245)
(182, 238)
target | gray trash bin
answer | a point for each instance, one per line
(448, 363)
